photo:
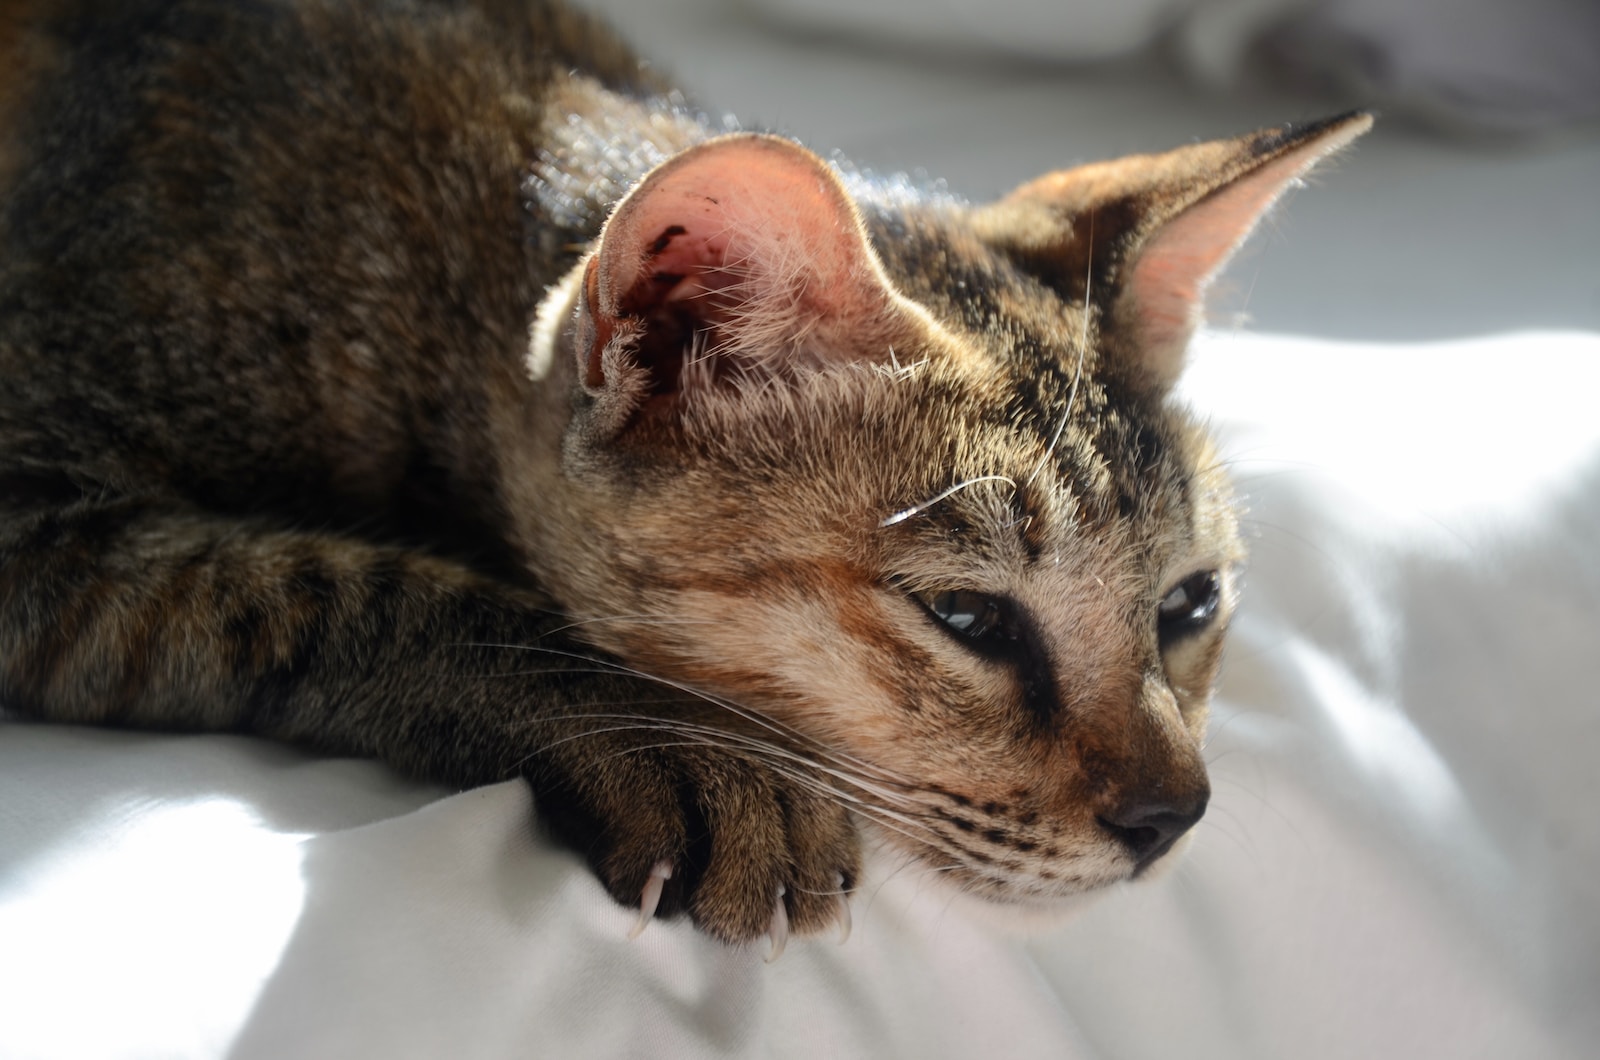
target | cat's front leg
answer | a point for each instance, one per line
(139, 612)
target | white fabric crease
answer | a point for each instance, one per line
(1399, 859)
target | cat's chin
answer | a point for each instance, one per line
(1020, 917)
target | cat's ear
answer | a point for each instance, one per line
(741, 256)
(1147, 233)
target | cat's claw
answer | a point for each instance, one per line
(650, 897)
(779, 931)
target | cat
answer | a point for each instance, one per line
(428, 381)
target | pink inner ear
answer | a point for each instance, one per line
(746, 246)
(678, 263)
(761, 215)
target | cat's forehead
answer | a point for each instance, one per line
(1024, 496)
(1089, 446)
(994, 469)
(933, 254)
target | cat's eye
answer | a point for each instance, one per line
(1190, 606)
(972, 615)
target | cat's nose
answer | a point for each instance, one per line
(1149, 826)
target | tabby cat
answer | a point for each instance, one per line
(426, 381)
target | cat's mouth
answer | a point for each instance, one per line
(1036, 867)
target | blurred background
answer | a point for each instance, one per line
(1474, 206)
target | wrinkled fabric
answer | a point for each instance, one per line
(1400, 858)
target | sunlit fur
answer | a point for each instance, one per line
(427, 381)
(988, 438)
(815, 626)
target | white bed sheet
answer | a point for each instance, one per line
(1402, 858)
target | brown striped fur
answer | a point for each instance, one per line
(330, 412)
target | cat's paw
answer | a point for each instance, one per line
(745, 848)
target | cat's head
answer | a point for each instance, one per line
(905, 476)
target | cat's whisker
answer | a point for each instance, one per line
(1024, 522)
(872, 814)
(837, 890)
(882, 817)
(776, 758)
(941, 841)
(720, 737)
(915, 868)
(917, 509)
(640, 619)
(754, 717)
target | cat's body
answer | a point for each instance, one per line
(784, 511)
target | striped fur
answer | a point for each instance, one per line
(332, 410)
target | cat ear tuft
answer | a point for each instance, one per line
(742, 256)
(1148, 233)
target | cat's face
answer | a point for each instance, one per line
(1000, 676)
(924, 505)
